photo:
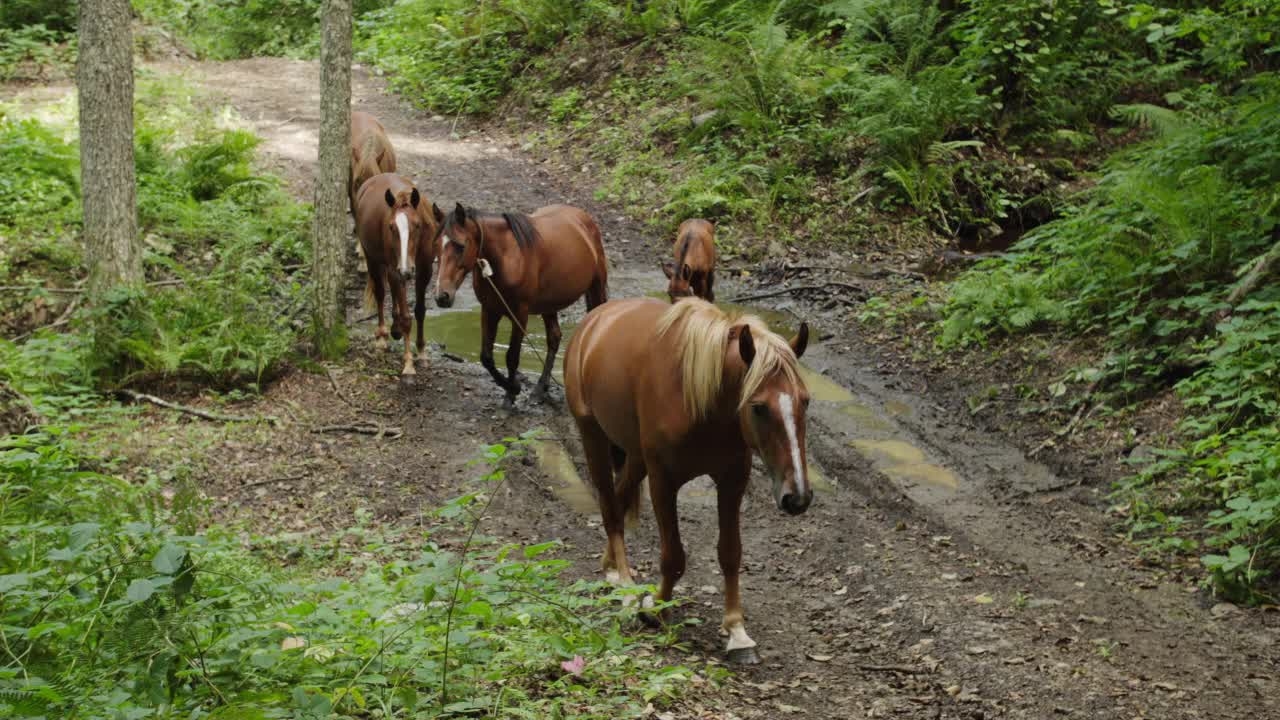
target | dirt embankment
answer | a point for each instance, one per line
(940, 573)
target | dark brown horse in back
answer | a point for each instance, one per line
(694, 273)
(679, 391)
(521, 265)
(371, 154)
(395, 225)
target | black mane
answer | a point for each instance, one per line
(521, 225)
(683, 250)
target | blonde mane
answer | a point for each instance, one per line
(702, 337)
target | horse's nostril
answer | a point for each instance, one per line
(795, 504)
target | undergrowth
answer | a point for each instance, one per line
(1150, 260)
(223, 247)
(118, 600)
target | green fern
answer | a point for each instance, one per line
(1163, 120)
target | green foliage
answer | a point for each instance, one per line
(1147, 260)
(55, 15)
(113, 603)
(222, 241)
(36, 45)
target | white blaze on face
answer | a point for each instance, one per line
(444, 245)
(788, 409)
(402, 225)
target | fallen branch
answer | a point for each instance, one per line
(903, 669)
(799, 288)
(63, 319)
(67, 291)
(1258, 271)
(272, 481)
(206, 414)
(385, 432)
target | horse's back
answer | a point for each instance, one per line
(367, 127)
(700, 235)
(606, 360)
(570, 257)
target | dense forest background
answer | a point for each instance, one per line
(1117, 165)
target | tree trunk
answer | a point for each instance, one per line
(104, 77)
(329, 232)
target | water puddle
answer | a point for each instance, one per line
(897, 409)
(903, 461)
(458, 332)
(822, 388)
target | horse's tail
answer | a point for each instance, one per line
(598, 293)
(367, 164)
(370, 299)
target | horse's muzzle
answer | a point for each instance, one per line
(795, 503)
(444, 300)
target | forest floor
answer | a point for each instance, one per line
(939, 574)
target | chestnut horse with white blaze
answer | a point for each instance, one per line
(520, 265)
(679, 391)
(395, 225)
(371, 154)
(694, 273)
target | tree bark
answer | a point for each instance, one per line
(104, 78)
(329, 231)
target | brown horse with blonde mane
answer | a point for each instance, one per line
(520, 265)
(371, 154)
(395, 225)
(679, 391)
(694, 273)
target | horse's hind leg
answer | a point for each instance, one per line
(730, 487)
(552, 324)
(400, 328)
(598, 450)
(598, 293)
(662, 493)
(711, 282)
(420, 280)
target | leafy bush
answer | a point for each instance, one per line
(55, 15)
(35, 44)
(115, 604)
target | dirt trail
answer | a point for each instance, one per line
(940, 574)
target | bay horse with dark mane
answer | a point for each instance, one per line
(520, 265)
(679, 391)
(395, 226)
(694, 273)
(371, 154)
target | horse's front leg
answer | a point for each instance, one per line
(518, 324)
(400, 327)
(552, 322)
(378, 281)
(489, 333)
(730, 488)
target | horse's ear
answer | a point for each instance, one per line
(667, 269)
(391, 199)
(459, 214)
(414, 198)
(746, 346)
(435, 210)
(686, 272)
(801, 340)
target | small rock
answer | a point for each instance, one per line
(819, 658)
(1037, 603)
(1222, 610)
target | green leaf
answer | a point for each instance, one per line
(140, 590)
(168, 561)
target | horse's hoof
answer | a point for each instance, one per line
(744, 656)
(408, 379)
(380, 345)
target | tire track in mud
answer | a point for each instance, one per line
(940, 575)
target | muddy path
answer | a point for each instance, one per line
(939, 574)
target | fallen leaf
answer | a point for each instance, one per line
(575, 665)
(1165, 686)
(983, 599)
(293, 643)
(819, 658)
(789, 709)
(843, 589)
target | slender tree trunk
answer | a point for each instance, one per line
(329, 232)
(104, 77)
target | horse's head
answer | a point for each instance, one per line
(772, 412)
(680, 285)
(405, 226)
(460, 240)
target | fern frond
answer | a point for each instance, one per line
(1163, 120)
(943, 151)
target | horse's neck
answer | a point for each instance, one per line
(503, 252)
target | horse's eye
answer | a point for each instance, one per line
(760, 410)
